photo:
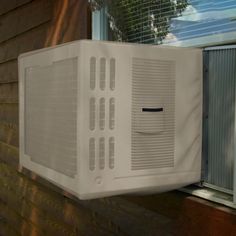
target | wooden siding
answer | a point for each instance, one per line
(29, 205)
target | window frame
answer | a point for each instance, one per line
(100, 24)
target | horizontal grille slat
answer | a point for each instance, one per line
(153, 86)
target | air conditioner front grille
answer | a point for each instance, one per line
(153, 114)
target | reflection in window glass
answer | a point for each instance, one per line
(204, 23)
(175, 22)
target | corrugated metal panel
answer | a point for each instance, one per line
(221, 75)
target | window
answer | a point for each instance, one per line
(204, 23)
(197, 23)
(173, 22)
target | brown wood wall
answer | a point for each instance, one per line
(29, 205)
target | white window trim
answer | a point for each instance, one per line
(99, 24)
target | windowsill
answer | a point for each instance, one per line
(211, 195)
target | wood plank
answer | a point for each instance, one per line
(89, 23)
(39, 38)
(9, 93)
(9, 113)
(72, 213)
(9, 134)
(188, 213)
(31, 40)
(7, 5)
(168, 204)
(61, 29)
(9, 155)
(33, 215)
(25, 18)
(206, 218)
(29, 212)
(9, 72)
(63, 216)
(67, 15)
(20, 225)
(6, 229)
(131, 218)
(17, 190)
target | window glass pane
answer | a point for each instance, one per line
(204, 23)
(175, 22)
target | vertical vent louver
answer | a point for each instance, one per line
(112, 113)
(97, 112)
(111, 152)
(92, 116)
(102, 153)
(92, 153)
(102, 113)
(102, 73)
(112, 73)
(92, 73)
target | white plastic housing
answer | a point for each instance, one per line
(101, 118)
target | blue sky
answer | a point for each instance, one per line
(205, 19)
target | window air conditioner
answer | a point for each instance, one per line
(101, 118)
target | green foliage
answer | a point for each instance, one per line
(140, 20)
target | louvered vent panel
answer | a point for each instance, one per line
(102, 112)
(153, 87)
(51, 115)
